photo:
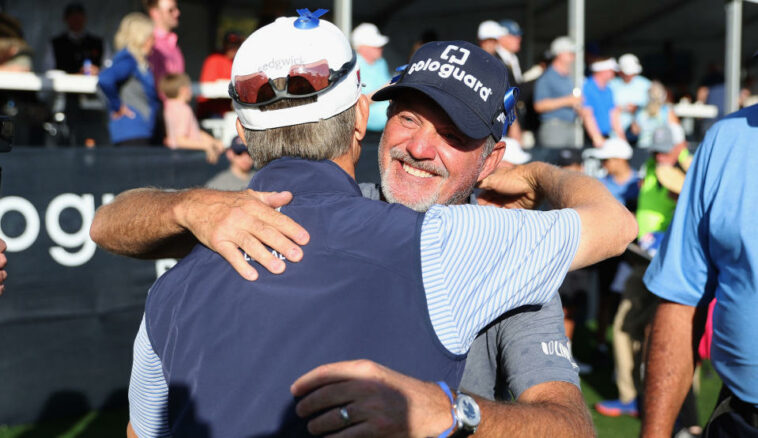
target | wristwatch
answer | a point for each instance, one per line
(466, 415)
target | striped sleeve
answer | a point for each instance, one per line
(480, 262)
(148, 392)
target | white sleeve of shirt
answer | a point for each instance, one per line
(148, 391)
(480, 262)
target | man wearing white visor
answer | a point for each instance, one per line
(488, 33)
(601, 116)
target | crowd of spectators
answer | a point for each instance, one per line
(625, 117)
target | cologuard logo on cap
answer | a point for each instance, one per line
(469, 84)
(450, 64)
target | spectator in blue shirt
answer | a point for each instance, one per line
(709, 251)
(630, 91)
(601, 117)
(620, 178)
(555, 100)
(375, 74)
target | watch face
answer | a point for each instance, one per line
(468, 411)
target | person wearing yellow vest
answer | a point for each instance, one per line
(669, 160)
(661, 182)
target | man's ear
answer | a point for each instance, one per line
(241, 131)
(361, 117)
(491, 162)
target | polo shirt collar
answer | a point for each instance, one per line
(300, 176)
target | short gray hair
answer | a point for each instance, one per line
(489, 146)
(323, 140)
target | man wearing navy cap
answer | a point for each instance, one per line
(240, 170)
(510, 45)
(416, 151)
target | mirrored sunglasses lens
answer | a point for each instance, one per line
(299, 85)
(265, 93)
(316, 74)
(248, 87)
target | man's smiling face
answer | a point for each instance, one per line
(424, 159)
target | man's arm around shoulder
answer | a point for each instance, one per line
(152, 223)
(607, 226)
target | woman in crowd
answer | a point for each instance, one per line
(657, 113)
(128, 83)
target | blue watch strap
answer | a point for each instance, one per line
(449, 394)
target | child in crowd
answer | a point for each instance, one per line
(182, 129)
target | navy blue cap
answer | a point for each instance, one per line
(237, 145)
(468, 83)
(511, 27)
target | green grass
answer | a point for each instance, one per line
(599, 385)
(596, 387)
(92, 425)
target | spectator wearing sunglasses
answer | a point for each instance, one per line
(240, 170)
(375, 74)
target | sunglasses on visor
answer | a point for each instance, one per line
(303, 80)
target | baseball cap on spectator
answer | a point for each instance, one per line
(232, 37)
(568, 157)
(273, 50)
(612, 148)
(468, 83)
(514, 154)
(562, 44)
(237, 145)
(367, 34)
(511, 27)
(663, 140)
(629, 64)
(489, 30)
(605, 64)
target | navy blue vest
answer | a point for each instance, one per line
(230, 348)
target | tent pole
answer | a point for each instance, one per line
(576, 32)
(732, 54)
(343, 14)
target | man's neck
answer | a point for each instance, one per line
(345, 162)
(239, 173)
(621, 175)
(161, 28)
(76, 35)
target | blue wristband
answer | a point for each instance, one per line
(449, 394)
